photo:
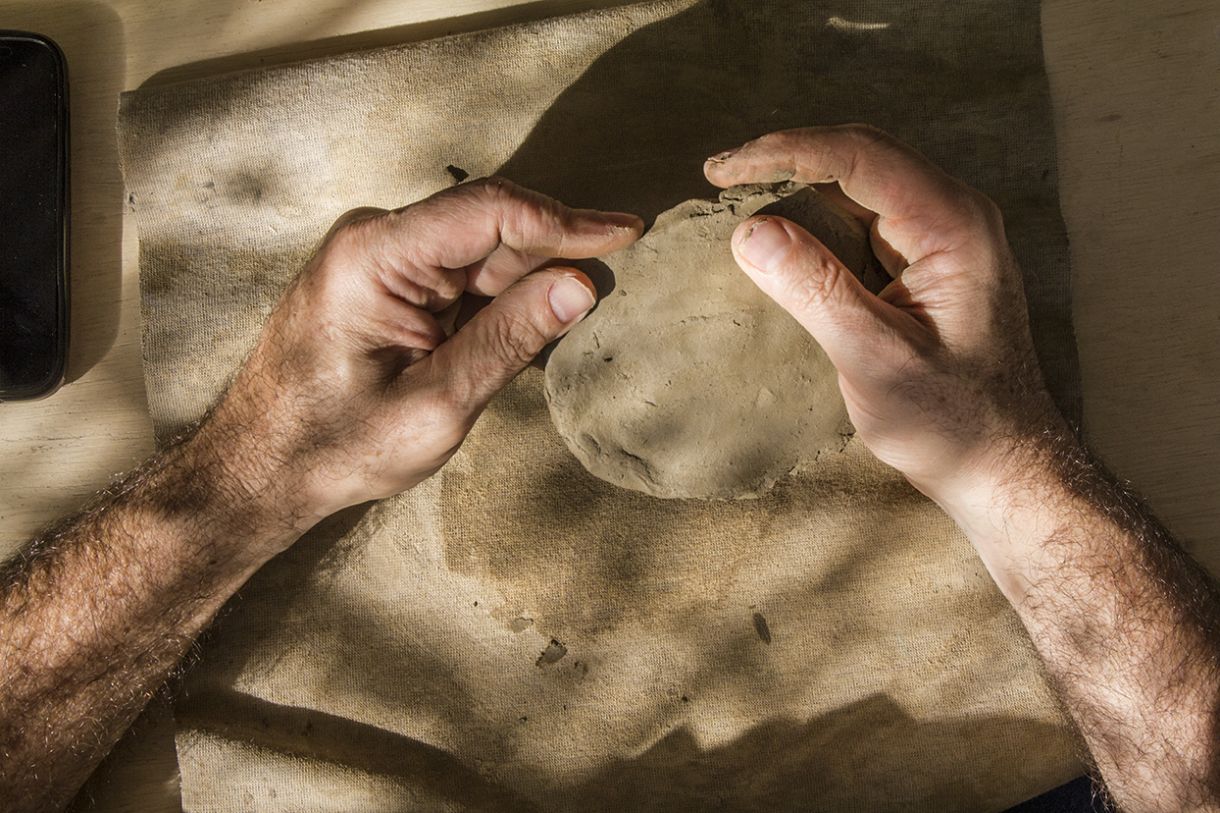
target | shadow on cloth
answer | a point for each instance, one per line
(631, 134)
(366, 40)
(777, 765)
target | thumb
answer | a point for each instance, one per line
(795, 269)
(503, 338)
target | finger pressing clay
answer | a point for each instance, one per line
(687, 381)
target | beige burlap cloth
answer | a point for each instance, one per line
(514, 634)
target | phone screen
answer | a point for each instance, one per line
(33, 323)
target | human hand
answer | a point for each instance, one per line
(938, 371)
(353, 391)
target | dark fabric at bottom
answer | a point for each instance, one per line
(1078, 796)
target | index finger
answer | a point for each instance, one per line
(498, 232)
(882, 174)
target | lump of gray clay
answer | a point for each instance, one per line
(687, 381)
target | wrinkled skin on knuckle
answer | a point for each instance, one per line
(810, 290)
(356, 215)
(525, 216)
(514, 340)
(537, 220)
(977, 221)
(554, 223)
(429, 221)
(498, 186)
(348, 240)
(411, 268)
(962, 221)
(492, 192)
(866, 136)
(339, 273)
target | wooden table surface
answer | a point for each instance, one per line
(1136, 88)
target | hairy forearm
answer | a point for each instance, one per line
(1127, 624)
(95, 614)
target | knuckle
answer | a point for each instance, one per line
(989, 209)
(965, 208)
(977, 215)
(349, 236)
(515, 340)
(815, 284)
(972, 199)
(493, 187)
(866, 135)
(554, 215)
(553, 223)
(537, 220)
(352, 222)
(343, 236)
(487, 193)
(862, 129)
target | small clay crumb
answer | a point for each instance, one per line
(552, 654)
(457, 173)
(760, 626)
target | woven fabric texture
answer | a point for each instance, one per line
(515, 634)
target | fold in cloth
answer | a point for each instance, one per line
(514, 634)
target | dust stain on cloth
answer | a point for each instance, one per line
(554, 653)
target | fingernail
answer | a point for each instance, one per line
(723, 156)
(765, 245)
(622, 220)
(569, 299)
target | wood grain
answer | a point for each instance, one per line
(1136, 88)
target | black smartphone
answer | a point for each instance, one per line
(33, 215)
